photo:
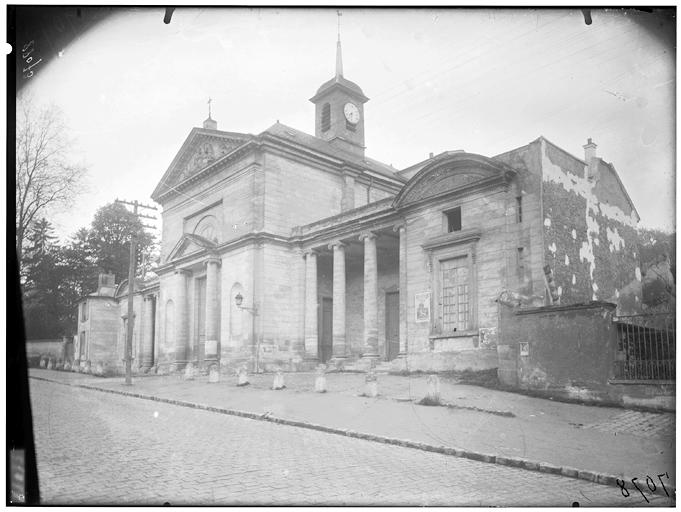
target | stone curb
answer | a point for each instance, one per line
(516, 462)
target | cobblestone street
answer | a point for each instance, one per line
(98, 448)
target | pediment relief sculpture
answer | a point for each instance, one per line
(206, 153)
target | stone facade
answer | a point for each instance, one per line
(284, 249)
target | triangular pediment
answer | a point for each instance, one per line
(200, 150)
(190, 244)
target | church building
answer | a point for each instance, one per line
(288, 250)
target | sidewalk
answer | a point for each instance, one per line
(601, 440)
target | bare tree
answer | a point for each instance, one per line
(47, 180)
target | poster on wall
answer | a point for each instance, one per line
(422, 306)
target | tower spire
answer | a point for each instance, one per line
(339, 56)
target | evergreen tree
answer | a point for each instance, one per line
(43, 305)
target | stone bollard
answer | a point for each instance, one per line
(43, 362)
(242, 377)
(278, 380)
(214, 373)
(67, 366)
(320, 379)
(75, 367)
(189, 372)
(99, 369)
(371, 384)
(433, 394)
(88, 367)
(50, 364)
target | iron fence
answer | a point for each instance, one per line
(646, 348)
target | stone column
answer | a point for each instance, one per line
(339, 350)
(311, 336)
(370, 296)
(401, 229)
(212, 310)
(148, 339)
(181, 319)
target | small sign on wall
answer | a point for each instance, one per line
(422, 306)
(488, 336)
(524, 348)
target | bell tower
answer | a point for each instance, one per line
(339, 109)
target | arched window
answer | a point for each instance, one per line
(207, 228)
(326, 117)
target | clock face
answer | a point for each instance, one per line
(351, 113)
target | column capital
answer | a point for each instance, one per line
(337, 243)
(400, 226)
(368, 235)
(310, 252)
(212, 259)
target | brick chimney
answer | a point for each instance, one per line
(590, 157)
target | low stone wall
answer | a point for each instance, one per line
(569, 352)
(458, 360)
(53, 348)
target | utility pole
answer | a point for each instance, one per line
(131, 283)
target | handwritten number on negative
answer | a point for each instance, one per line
(624, 489)
(660, 477)
(650, 482)
(633, 481)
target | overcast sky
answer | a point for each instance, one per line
(485, 81)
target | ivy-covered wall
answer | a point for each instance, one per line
(590, 239)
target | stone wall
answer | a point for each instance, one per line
(569, 352)
(51, 348)
(487, 217)
(230, 196)
(297, 193)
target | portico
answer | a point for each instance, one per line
(355, 296)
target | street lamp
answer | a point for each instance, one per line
(238, 300)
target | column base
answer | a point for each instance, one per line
(337, 363)
(366, 362)
(178, 366)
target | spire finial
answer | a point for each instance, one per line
(339, 57)
(209, 102)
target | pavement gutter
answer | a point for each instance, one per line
(516, 462)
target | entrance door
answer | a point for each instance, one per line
(392, 325)
(326, 331)
(201, 321)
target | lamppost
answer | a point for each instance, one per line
(239, 299)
